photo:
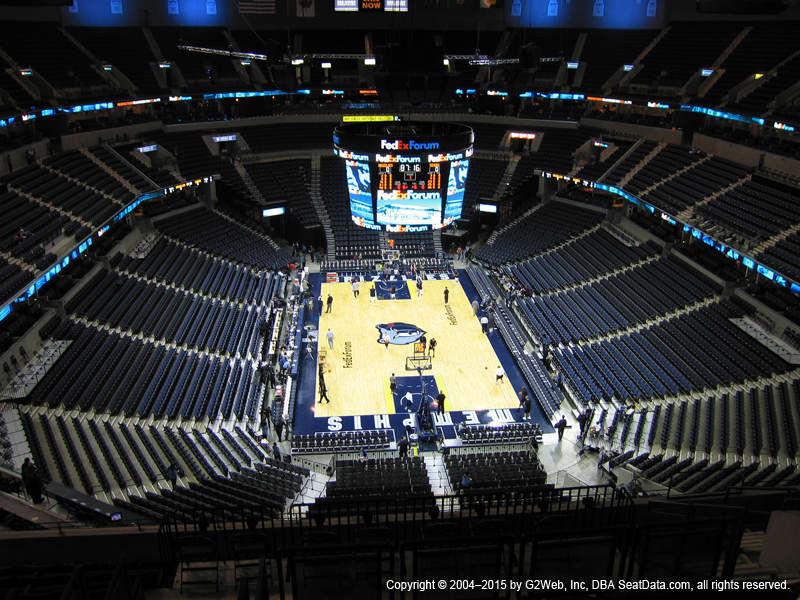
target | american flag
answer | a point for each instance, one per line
(257, 7)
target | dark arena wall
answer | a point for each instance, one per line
(304, 303)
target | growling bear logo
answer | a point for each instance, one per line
(399, 333)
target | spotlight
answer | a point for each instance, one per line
(326, 65)
(297, 61)
(369, 61)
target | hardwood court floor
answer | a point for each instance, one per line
(357, 370)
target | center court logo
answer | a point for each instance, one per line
(399, 333)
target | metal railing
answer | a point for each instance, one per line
(344, 513)
(324, 468)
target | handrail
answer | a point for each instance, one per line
(344, 512)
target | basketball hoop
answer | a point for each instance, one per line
(418, 362)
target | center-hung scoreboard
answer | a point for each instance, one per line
(405, 176)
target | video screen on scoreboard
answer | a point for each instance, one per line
(358, 187)
(409, 207)
(456, 184)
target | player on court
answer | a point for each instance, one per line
(323, 392)
(499, 374)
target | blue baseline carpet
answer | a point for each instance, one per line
(412, 384)
(307, 423)
(383, 290)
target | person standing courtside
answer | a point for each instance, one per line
(446, 295)
(583, 418)
(440, 403)
(523, 397)
(323, 391)
(561, 426)
(432, 347)
(402, 447)
(408, 402)
(329, 303)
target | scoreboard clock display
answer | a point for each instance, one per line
(410, 173)
(414, 176)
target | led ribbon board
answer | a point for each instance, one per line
(87, 242)
(717, 245)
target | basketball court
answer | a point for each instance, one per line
(358, 368)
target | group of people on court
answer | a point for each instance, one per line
(428, 348)
(355, 286)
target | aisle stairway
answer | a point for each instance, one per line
(319, 206)
(437, 474)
